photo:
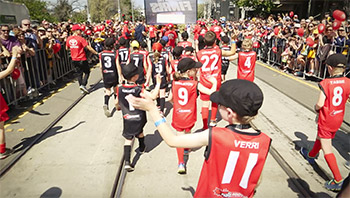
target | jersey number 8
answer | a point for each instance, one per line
(337, 98)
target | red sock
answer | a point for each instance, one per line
(332, 163)
(2, 148)
(315, 149)
(214, 110)
(180, 154)
(205, 115)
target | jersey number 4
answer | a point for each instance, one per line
(231, 165)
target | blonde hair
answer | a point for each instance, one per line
(156, 57)
(247, 44)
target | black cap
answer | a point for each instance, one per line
(129, 71)
(109, 42)
(188, 63)
(242, 96)
(336, 60)
(177, 51)
(209, 36)
(122, 41)
(189, 49)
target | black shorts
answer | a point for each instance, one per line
(224, 70)
(110, 84)
(129, 134)
(163, 84)
(82, 66)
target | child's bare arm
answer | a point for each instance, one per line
(320, 102)
(184, 141)
(155, 91)
(207, 91)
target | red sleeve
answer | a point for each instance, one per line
(83, 42)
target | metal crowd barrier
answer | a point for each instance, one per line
(265, 53)
(37, 72)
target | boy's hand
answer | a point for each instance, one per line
(144, 103)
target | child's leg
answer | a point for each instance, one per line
(127, 150)
(316, 148)
(214, 110)
(205, 113)
(2, 138)
(180, 151)
(162, 99)
(107, 96)
(141, 138)
(326, 145)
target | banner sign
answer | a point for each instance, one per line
(162, 12)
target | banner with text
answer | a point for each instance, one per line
(170, 11)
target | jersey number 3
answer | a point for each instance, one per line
(231, 165)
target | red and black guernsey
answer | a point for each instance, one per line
(109, 66)
(124, 55)
(159, 68)
(3, 109)
(225, 60)
(337, 90)
(246, 65)
(137, 59)
(134, 119)
(211, 59)
(185, 107)
(234, 162)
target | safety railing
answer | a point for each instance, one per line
(36, 72)
(310, 62)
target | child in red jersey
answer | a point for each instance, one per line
(184, 96)
(16, 53)
(330, 107)
(236, 154)
(246, 61)
(184, 43)
(177, 52)
(210, 57)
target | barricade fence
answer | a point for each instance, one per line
(305, 61)
(36, 72)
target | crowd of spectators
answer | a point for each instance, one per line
(282, 41)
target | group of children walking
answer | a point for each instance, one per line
(231, 165)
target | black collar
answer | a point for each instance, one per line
(239, 126)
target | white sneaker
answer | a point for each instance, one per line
(105, 109)
(83, 88)
(5, 154)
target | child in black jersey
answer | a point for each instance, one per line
(133, 119)
(111, 72)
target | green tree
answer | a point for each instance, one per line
(63, 10)
(200, 11)
(260, 7)
(79, 17)
(37, 10)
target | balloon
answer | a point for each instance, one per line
(83, 27)
(56, 47)
(310, 42)
(291, 14)
(102, 27)
(300, 32)
(88, 32)
(276, 30)
(96, 29)
(336, 24)
(15, 74)
(321, 27)
(256, 44)
(274, 49)
(339, 15)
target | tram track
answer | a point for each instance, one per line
(13, 161)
